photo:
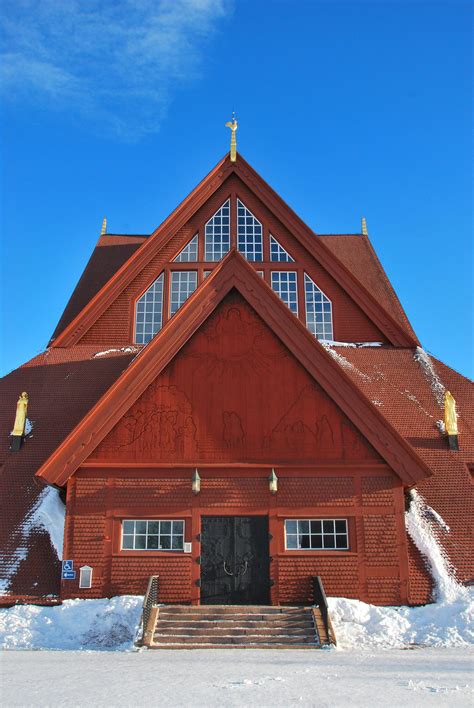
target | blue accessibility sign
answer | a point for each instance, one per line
(68, 572)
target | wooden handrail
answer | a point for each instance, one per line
(319, 599)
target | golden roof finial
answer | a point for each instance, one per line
(233, 140)
(364, 227)
(20, 417)
(104, 226)
(450, 415)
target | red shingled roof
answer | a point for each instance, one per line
(63, 384)
(411, 398)
(357, 254)
(111, 251)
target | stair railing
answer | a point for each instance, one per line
(150, 611)
(320, 599)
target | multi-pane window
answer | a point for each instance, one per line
(152, 535)
(249, 234)
(318, 310)
(285, 285)
(149, 312)
(189, 252)
(183, 283)
(277, 252)
(217, 234)
(316, 534)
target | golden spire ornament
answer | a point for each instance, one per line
(233, 139)
(364, 227)
(104, 226)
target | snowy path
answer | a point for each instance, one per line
(420, 677)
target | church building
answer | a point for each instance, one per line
(235, 404)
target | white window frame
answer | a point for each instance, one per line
(150, 303)
(85, 577)
(279, 251)
(213, 231)
(311, 532)
(189, 254)
(181, 284)
(249, 241)
(158, 535)
(323, 326)
(291, 300)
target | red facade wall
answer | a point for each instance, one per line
(374, 569)
(234, 403)
(351, 324)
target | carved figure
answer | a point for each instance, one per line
(233, 431)
(20, 417)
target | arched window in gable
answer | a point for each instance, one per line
(249, 234)
(189, 252)
(318, 310)
(149, 312)
(277, 252)
(217, 234)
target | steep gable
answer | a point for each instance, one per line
(109, 314)
(208, 403)
(232, 272)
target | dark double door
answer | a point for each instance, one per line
(235, 560)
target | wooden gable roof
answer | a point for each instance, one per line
(393, 327)
(232, 272)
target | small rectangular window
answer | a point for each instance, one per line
(85, 577)
(316, 534)
(153, 535)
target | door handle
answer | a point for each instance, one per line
(227, 571)
(246, 567)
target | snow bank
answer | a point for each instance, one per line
(443, 624)
(446, 623)
(76, 624)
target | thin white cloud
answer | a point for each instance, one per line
(115, 63)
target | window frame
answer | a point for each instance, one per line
(158, 535)
(323, 322)
(322, 534)
(137, 302)
(205, 235)
(256, 244)
(180, 273)
(287, 272)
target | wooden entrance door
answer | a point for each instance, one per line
(235, 564)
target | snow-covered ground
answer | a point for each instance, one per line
(233, 677)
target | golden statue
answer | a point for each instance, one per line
(20, 417)
(450, 416)
(104, 227)
(233, 140)
(364, 226)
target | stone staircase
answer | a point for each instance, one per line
(225, 626)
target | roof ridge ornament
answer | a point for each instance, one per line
(104, 226)
(364, 227)
(233, 139)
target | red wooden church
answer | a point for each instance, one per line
(236, 404)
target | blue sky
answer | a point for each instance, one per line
(345, 108)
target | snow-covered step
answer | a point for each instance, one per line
(185, 626)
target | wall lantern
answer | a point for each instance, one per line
(196, 486)
(273, 482)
